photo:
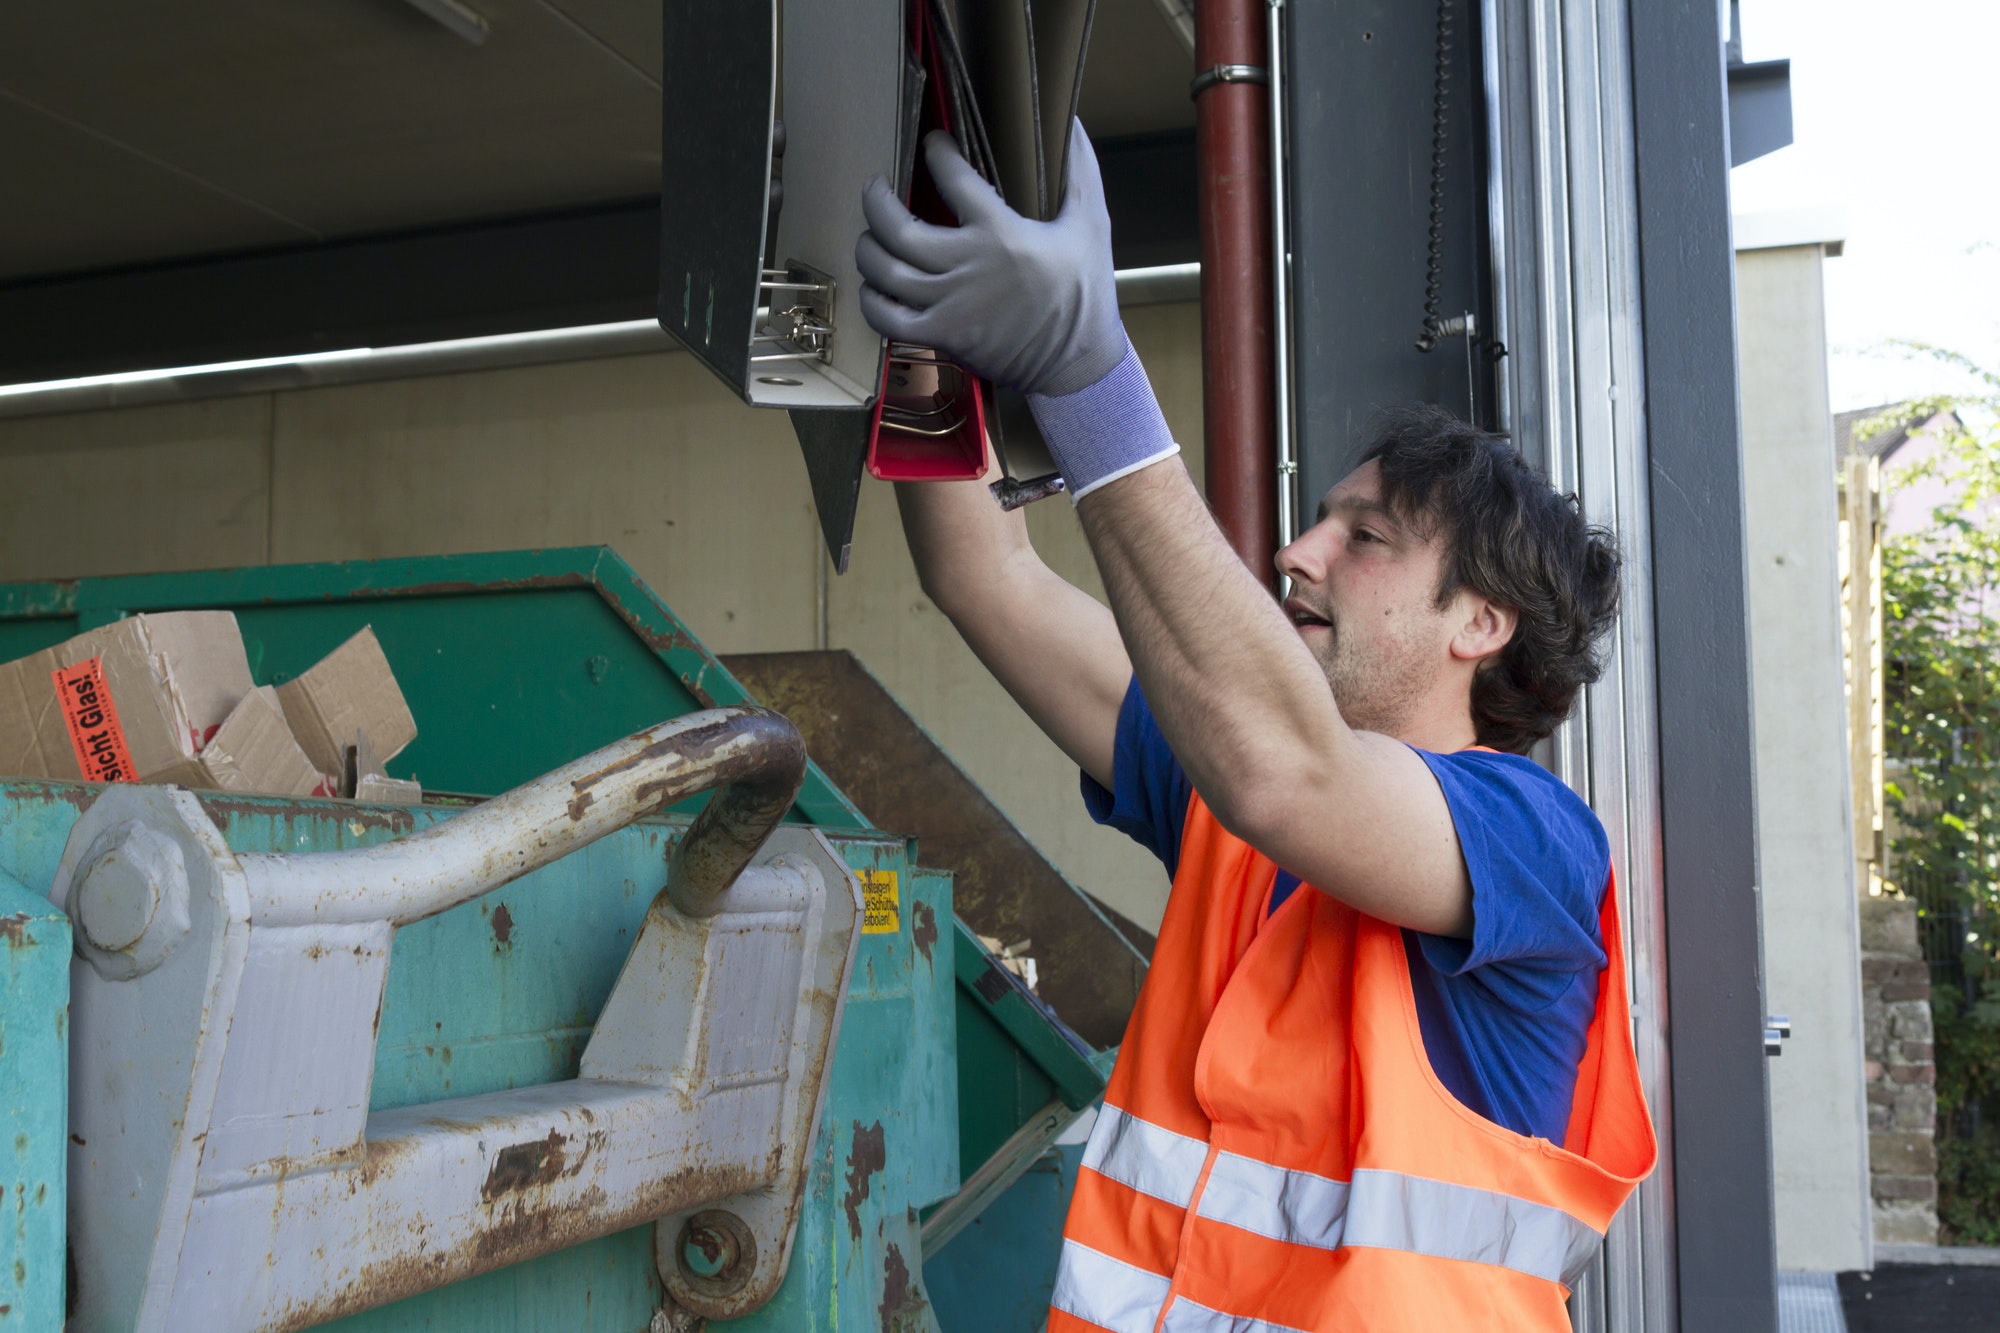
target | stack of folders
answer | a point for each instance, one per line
(1002, 78)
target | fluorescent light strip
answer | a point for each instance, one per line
(487, 342)
(1136, 286)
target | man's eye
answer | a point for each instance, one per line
(1364, 535)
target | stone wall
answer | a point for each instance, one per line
(1900, 1072)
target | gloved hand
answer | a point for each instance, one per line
(1032, 305)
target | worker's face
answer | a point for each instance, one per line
(1364, 598)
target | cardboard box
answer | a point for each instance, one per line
(253, 751)
(168, 698)
(351, 689)
(130, 702)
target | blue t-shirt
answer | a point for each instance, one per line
(1505, 1014)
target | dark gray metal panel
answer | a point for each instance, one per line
(1359, 80)
(715, 175)
(503, 277)
(1760, 109)
(835, 445)
(1722, 1160)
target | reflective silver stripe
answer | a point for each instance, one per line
(1392, 1211)
(1185, 1316)
(1379, 1209)
(1144, 1156)
(1107, 1292)
(1294, 1206)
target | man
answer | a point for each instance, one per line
(1402, 1096)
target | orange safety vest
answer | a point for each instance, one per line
(1275, 1152)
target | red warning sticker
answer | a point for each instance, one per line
(93, 722)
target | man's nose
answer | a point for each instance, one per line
(1301, 561)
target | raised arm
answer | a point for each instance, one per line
(1252, 718)
(1246, 707)
(1053, 646)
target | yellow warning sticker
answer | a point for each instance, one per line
(881, 912)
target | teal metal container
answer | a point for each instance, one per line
(514, 664)
(34, 1072)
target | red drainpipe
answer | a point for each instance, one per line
(1233, 154)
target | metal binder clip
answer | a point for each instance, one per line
(803, 330)
(925, 393)
(930, 422)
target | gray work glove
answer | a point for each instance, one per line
(1032, 305)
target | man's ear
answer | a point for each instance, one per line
(1485, 627)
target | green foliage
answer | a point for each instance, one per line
(1941, 704)
(1968, 1131)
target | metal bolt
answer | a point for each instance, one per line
(708, 1252)
(718, 1252)
(117, 901)
(120, 892)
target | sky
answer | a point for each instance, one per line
(1894, 126)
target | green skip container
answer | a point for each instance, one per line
(945, 1146)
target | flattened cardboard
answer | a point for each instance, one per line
(174, 678)
(254, 752)
(204, 654)
(378, 790)
(351, 689)
(367, 782)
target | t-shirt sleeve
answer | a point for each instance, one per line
(1149, 795)
(1539, 863)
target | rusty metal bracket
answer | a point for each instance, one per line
(226, 1173)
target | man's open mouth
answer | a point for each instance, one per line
(1302, 616)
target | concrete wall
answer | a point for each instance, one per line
(706, 497)
(1811, 936)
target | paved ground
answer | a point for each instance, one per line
(1913, 1298)
(1809, 1303)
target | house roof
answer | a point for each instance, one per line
(1884, 442)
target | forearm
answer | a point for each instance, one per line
(959, 539)
(1240, 699)
(1251, 717)
(1053, 647)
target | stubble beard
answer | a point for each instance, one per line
(1379, 690)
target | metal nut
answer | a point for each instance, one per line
(717, 1252)
(137, 886)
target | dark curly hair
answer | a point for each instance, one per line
(1510, 537)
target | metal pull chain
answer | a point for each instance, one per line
(1437, 328)
(1434, 258)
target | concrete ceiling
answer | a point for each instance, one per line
(141, 131)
